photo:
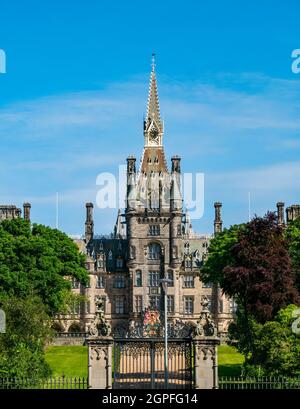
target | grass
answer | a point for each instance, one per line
(72, 362)
(230, 361)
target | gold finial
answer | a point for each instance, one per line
(153, 62)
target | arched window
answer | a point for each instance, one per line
(154, 251)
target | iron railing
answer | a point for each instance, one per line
(50, 383)
(264, 382)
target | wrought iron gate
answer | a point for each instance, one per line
(139, 364)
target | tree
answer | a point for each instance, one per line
(292, 234)
(276, 347)
(260, 275)
(219, 254)
(38, 261)
(22, 345)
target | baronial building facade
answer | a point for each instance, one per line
(153, 239)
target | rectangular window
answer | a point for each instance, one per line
(232, 306)
(154, 230)
(76, 308)
(171, 279)
(119, 263)
(138, 279)
(119, 281)
(207, 285)
(100, 264)
(153, 278)
(138, 303)
(188, 305)
(120, 304)
(87, 307)
(154, 302)
(188, 281)
(100, 281)
(103, 301)
(170, 303)
(75, 283)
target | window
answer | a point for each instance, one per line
(154, 251)
(171, 279)
(153, 278)
(75, 308)
(188, 305)
(100, 281)
(110, 255)
(138, 303)
(100, 263)
(87, 307)
(232, 306)
(207, 285)
(75, 283)
(119, 263)
(154, 302)
(188, 263)
(120, 304)
(103, 302)
(186, 248)
(189, 281)
(170, 303)
(138, 279)
(154, 230)
(119, 281)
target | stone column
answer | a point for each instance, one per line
(206, 362)
(100, 362)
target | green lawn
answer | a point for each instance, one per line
(230, 361)
(71, 361)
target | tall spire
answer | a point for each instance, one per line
(153, 120)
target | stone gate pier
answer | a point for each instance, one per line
(100, 343)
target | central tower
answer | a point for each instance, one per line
(153, 216)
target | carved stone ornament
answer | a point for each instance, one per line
(205, 325)
(99, 327)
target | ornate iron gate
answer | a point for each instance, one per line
(139, 364)
(139, 360)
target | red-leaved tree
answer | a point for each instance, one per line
(261, 276)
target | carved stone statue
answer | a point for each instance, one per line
(99, 327)
(205, 325)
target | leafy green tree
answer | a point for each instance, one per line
(276, 347)
(22, 345)
(292, 234)
(219, 254)
(38, 261)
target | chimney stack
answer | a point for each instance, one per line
(280, 213)
(218, 224)
(26, 211)
(89, 224)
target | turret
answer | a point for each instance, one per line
(131, 183)
(218, 223)
(175, 194)
(89, 223)
(280, 213)
(26, 211)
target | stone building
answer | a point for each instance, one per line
(13, 212)
(153, 239)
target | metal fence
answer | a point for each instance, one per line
(259, 383)
(51, 383)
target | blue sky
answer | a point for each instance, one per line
(74, 95)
